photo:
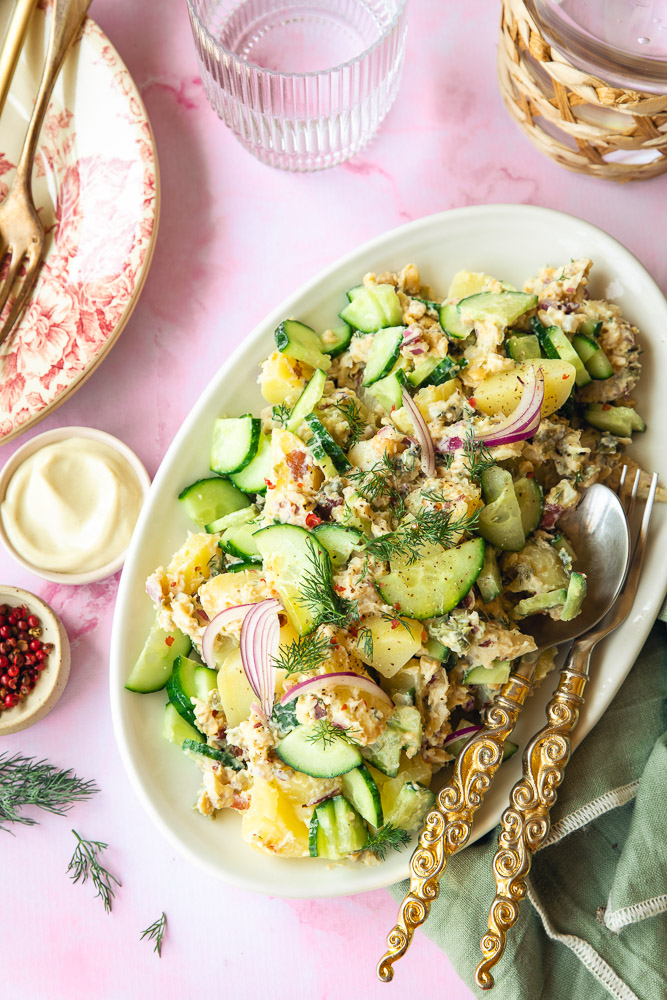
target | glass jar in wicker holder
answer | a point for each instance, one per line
(574, 117)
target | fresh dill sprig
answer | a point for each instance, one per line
(155, 932)
(85, 863)
(318, 595)
(378, 483)
(303, 654)
(394, 617)
(477, 458)
(445, 460)
(429, 526)
(351, 411)
(388, 836)
(25, 781)
(365, 641)
(327, 733)
(281, 414)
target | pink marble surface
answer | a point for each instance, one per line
(235, 237)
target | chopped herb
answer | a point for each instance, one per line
(318, 595)
(349, 408)
(27, 782)
(394, 617)
(155, 932)
(327, 733)
(306, 653)
(445, 460)
(478, 458)
(85, 864)
(429, 526)
(377, 483)
(284, 717)
(281, 414)
(365, 642)
(387, 836)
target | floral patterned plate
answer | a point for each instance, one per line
(96, 187)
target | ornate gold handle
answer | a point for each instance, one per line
(447, 827)
(525, 824)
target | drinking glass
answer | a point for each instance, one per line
(303, 84)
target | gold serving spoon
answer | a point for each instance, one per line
(599, 533)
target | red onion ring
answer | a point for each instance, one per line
(257, 635)
(334, 680)
(211, 632)
(466, 731)
(519, 425)
(422, 434)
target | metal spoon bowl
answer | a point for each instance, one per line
(599, 534)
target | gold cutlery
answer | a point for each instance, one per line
(13, 43)
(525, 825)
(599, 532)
(21, 231)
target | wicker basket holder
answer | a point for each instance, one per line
(577, 119)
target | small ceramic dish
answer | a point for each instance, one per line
(53, 678)
(49, 437)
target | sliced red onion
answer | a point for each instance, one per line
(154, 590)
(212, 631)
(259, 644)
(417, 349)
(324, 681)
(422, 434)
(466, 731)
(519, 425)
(411, 335)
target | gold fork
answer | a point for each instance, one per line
(11, 50)
(21, 231)
(525, 825)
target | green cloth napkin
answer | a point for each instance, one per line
(595, 921)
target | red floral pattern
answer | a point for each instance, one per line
(97, 250)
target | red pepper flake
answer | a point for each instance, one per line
(169, 640)
(530, 475)
(354, 632)
(472, 401)
(269, 484)
(338, 588)
(606, 406)
(565, 376)
(343, 707)
(424, 636)
(333, 641)
(395, 623)
(312, 520)
(397, 606)
(173, 583)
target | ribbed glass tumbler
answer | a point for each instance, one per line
(303, 84)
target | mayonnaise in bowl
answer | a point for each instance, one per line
(70, 506)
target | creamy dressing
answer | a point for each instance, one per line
(72, 505)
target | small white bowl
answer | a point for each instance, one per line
(28, 449)
(53, 678)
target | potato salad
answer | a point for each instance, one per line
(365, 550)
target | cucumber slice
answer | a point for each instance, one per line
(531, 503)
(373, 308)
(232, 520)
(456, 746)
(522, 347)
(436, 583)
(181, 687)
(437, 649)
(503, 307)
(557, 345)
(500, 520)
(205, 681)
(489, 583)
(176, 729)
(360, 790)
(327, 443)
(304, 752)
(595, 360)
(385, 753)
(307, 401)
(493, 482)
(452, 324)
(350, 829)
(576, 592)
(208, 499)
(509, 749)
(540, 602)
(235, 443)
(240, 566)
(299, 341)
(422, 371)
(291, 552)
(591, 328)
(389, 391)
(383, 354)
(618, 420)
(445, 371)
(497, 674)
(339, 541)
(239, 541)
(252, 479)
(153, 667)
(337, 340)
(322, 832)
(224, 757)
(410, 807)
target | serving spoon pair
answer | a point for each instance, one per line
(598, 530)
